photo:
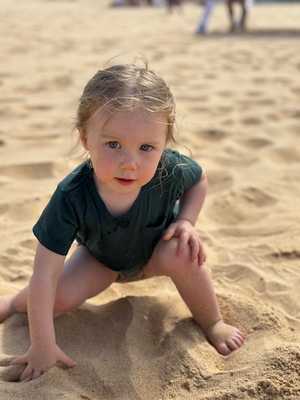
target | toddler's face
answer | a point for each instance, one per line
(125, 148)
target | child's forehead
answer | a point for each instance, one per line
(106, 120)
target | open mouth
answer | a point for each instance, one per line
(125, 182)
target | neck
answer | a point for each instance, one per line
(116, 203)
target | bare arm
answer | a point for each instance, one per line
(183, 227)
(43, 352)
(42, 288)
(192, 201)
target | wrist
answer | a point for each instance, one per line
(185, 219)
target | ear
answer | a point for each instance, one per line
(83, 138)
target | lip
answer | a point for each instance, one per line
(125, 182)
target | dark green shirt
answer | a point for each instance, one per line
(76, 211)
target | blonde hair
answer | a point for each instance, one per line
(126, 87)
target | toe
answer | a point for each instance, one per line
(232, 345)
(223, 349)
(240, 337)
(237, 341)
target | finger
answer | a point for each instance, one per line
(194, 245)
(182, 243)
(6, 362)
(201, 254)
(27, 373)
(66, 361)
(36, 373)
(27, 379)
(19, 360)
(201, 258)
(169, 232)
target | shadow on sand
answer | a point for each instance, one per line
(280, 33)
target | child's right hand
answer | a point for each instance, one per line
(36, 362)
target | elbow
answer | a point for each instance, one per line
(204, 183)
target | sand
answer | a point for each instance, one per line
(238, 111)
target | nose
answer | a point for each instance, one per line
(128, 162)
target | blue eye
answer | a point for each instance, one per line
(146, 147)
(113, 145)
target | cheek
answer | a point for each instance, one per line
(150, 166)
(104, 164)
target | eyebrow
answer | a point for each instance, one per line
(108, 136)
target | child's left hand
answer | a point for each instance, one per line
(185, 232)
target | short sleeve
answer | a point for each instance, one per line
(57, 226)
(190, 172)
(184, 172)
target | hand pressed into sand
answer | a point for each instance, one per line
(37, 362)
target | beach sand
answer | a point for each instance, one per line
(238, 111)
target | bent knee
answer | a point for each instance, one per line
(171, 262)
(63, 304)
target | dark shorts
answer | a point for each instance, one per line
(131, 275)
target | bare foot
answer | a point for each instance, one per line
(225, 338)
(6, 307)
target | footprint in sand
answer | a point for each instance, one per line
(257, 143)
(225, 93)
(251, 120)
(38, 138)
(22, 211)
(6, 112)
(265, 102)
(11, 99)
(41, 170)
(295, 90)
(238, 207)
(199, 109)
(219, 180)
(273, 117)
(15, 267)
(63, 81)
(214, 133)
(243, 275)
(224, 109)
(38, 107)
(259, 80)
(194, 98)
(254, 93)
(210, 76)
(285, 155)
(18, 49)
(295, 114)
(232, 155)
(3, 209)
(29, 244)
(252, 277)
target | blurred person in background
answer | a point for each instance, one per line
(236, 24)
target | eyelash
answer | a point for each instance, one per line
(111, 145)
(114, 145)
(148, 146)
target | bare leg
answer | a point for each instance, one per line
(231, 15)
(196, 289)
(83, 277)
(203, 23)
(243, 16)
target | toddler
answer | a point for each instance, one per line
(131, 207)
